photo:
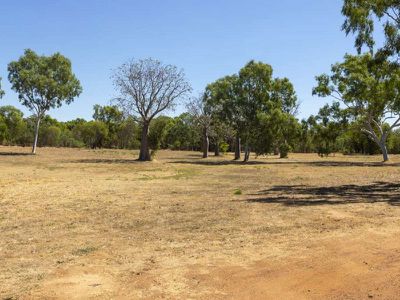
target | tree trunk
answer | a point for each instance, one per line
(246, 154)
(206, 143)
(144, 154)
(380, 141)
(383, 147)
(216, 150)
(36, 135)
(237, 148)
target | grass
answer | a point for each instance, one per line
(84, 251)
(237, 192)
(176, 228)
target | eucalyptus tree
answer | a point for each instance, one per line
(238, 98)
(371, 92)
(362, 16)
(243, 97)
(42, 83)
(148, 87)
(221, 96)
(253, 90)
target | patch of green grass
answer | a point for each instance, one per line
(237, 192)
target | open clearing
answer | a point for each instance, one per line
(81, 224)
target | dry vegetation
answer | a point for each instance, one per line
(80, 224)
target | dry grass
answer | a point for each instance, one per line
(81, 224)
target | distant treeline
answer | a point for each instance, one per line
(109, 128)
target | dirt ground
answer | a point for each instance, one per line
(82, 224)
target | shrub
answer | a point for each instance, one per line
(284, 150)
(237, 192)
(224, 147)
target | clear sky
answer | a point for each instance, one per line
(208, 39)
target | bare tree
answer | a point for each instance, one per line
(202, 116)
(147, 87)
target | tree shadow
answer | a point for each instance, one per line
(15, 154)
(219, 162)
(301, 195)
(349, 164)
(106, 161)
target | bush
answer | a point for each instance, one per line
(237, 192)
(324, 151)
(224, 147)
(284, 150)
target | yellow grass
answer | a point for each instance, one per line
(79, 224)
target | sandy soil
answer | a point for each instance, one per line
(81, 224)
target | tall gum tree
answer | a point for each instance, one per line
(362, 18)
(371, 91)
(220, 96)
(42, 83)
(148, 87)
(242, 97)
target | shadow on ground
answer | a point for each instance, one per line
(207, 162)
(106, 161)
(14, 154)
(301, 195)
(218, 162)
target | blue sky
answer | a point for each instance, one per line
(208, 39)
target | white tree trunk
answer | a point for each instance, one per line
(380, 141)
(36, 135)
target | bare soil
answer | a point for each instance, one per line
(84, 224)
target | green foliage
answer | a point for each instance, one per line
(224, 147)
(362, 16)
(394, 142)
(159, 128)
(113, 118)
(43, 82)
(367, 87)
(326, 127)
(183, 134)
(13, 125)
(237, 192)
(284, 150)
(50, 136)
(128, 134)
(93, 133)
(257, 106)
(370, 90)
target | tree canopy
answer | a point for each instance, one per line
(42, 83)
(148, 87)
(369, 89)
(242, 99)
(362, 16)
